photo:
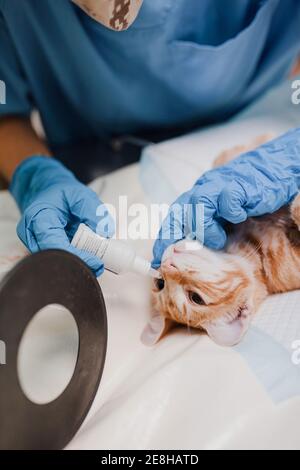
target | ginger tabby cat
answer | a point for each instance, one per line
(219, 292)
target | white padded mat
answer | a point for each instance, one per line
(280, 318)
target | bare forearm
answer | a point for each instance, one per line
(18, 141)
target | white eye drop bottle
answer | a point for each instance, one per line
(117, 256)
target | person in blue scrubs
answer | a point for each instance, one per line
(180, 63)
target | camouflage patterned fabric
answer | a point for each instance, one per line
(114, 14)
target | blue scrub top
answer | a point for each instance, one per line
(182, 62)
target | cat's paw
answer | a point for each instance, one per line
(230, 154)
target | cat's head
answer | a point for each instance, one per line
(204, 289)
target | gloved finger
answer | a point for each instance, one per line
(172, 230)
(231, 203)
(159, 248)
(214, 236)
(49, 234)
(207, 230)
(26, 236)
(204, 225)
(93, 262)
(86, 206)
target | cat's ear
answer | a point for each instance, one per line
(156, 329)
(227, 334)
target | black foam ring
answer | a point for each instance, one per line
(50, 277)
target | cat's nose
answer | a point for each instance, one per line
(179, 249)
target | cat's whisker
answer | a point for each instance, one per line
(254, 251)
(198, 325)
(188, 318)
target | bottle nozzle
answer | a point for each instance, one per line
(155, 274)
(142, 266)
(116, 255)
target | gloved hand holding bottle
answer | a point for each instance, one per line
(256, 183)
(53, 203)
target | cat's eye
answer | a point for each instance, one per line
(195, 298)
(159, 284)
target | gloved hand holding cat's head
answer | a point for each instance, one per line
(212, 291)
(218, 292)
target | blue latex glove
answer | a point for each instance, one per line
(53, 203)
(254, 184)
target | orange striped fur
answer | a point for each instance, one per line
(262, 257)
